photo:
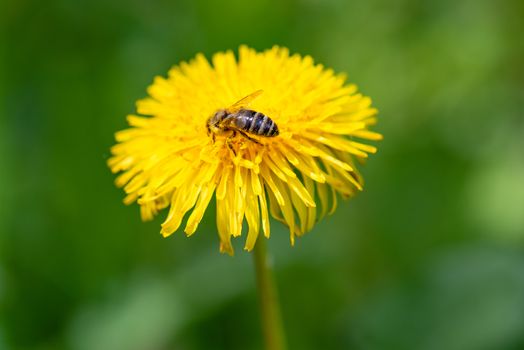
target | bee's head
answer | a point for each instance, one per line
(219, 115)
(213, 122)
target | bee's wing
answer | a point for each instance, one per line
(244, 101)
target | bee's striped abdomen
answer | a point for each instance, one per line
(256, 123)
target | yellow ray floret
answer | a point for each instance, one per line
(168, 159)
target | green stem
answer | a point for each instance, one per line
(269, 305)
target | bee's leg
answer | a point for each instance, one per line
(210, 133)
(249, 137)
(229, 142)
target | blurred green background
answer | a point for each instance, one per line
(430, 256)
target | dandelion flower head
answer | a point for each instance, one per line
(168, 158)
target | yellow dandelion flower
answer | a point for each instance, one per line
(173, 157)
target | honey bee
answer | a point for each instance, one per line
(237, 119)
